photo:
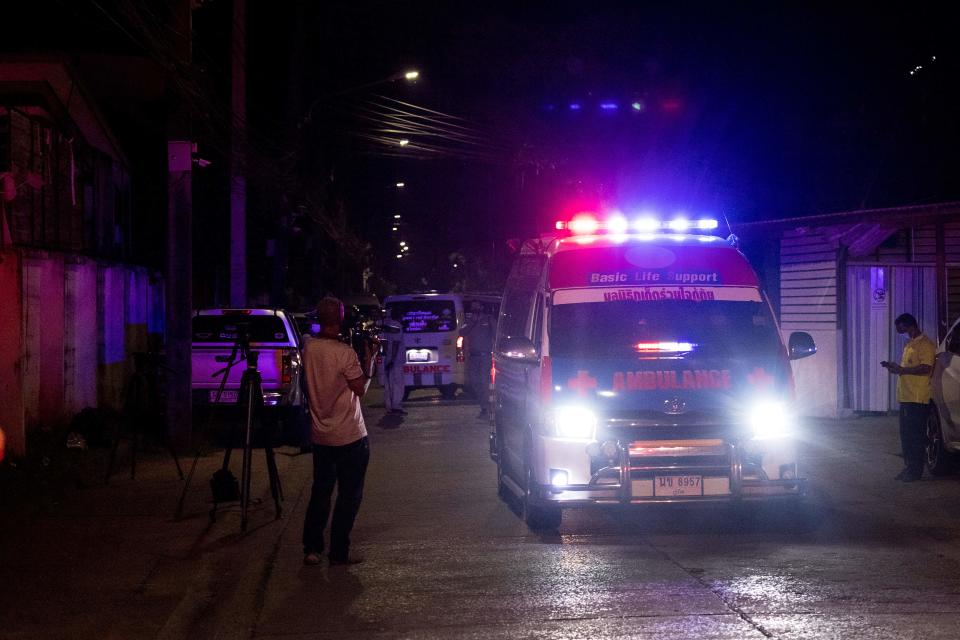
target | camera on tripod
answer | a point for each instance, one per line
(241, 337)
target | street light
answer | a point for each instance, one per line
(411, 75)
(396, 216)
(400, 185)
(403, 142)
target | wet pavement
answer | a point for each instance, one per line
(445, 558)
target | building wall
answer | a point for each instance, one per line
(72, 325)
(809, 302)
(77, 197)
(11, 355)
(80, 331)
(816, 297)
(43, 373)
(71, 313)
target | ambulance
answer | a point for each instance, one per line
(639, 361)
(433, 346)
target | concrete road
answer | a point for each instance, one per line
(445, 558)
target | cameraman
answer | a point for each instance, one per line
(335, 383)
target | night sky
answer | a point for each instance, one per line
(749, 110)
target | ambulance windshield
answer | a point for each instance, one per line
(424, 316)
(662, 329)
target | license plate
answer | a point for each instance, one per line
(229, 396)
(678, 486)
(418, 355)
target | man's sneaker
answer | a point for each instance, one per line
(350, 559)
(312, 559)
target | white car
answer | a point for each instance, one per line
(943, 425)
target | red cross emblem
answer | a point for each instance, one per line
(582, 382)
(760, 378)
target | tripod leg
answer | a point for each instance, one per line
(134, 443)
(275, 489)
(247, 442)
(176, 460)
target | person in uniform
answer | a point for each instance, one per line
(913, 394)
(394, 356)
(479, 343)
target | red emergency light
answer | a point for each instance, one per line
(663, 347)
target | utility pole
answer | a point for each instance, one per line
(238, 151)
(179, 267)
(282, 247)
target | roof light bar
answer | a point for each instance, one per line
(589, 224)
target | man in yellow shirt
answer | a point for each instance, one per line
(913, 394)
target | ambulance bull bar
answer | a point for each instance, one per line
(630, 479)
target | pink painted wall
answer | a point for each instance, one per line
(80, 336)
(43, 382)
(68, 329)
(113, 361)
(12, 419)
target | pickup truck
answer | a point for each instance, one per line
(274, 336)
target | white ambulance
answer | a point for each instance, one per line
(433, 345)
(640, 362)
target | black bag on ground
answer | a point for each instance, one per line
(224, 486)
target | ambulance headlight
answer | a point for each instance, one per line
(574, 423)
(770, 419)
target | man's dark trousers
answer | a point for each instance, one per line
(344, 467)
(913, 435)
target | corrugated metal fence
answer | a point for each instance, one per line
(80, 323)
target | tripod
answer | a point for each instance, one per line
(250, 395)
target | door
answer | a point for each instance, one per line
(914, 292)
(868, 338)
(876, 295)
(514, 381)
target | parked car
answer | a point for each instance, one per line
(219, 339)
(943, 425)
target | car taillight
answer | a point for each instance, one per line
(546, 380)
(460, 354)
(286, 371)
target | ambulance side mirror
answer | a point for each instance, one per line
(801, 345)
(519, 349)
